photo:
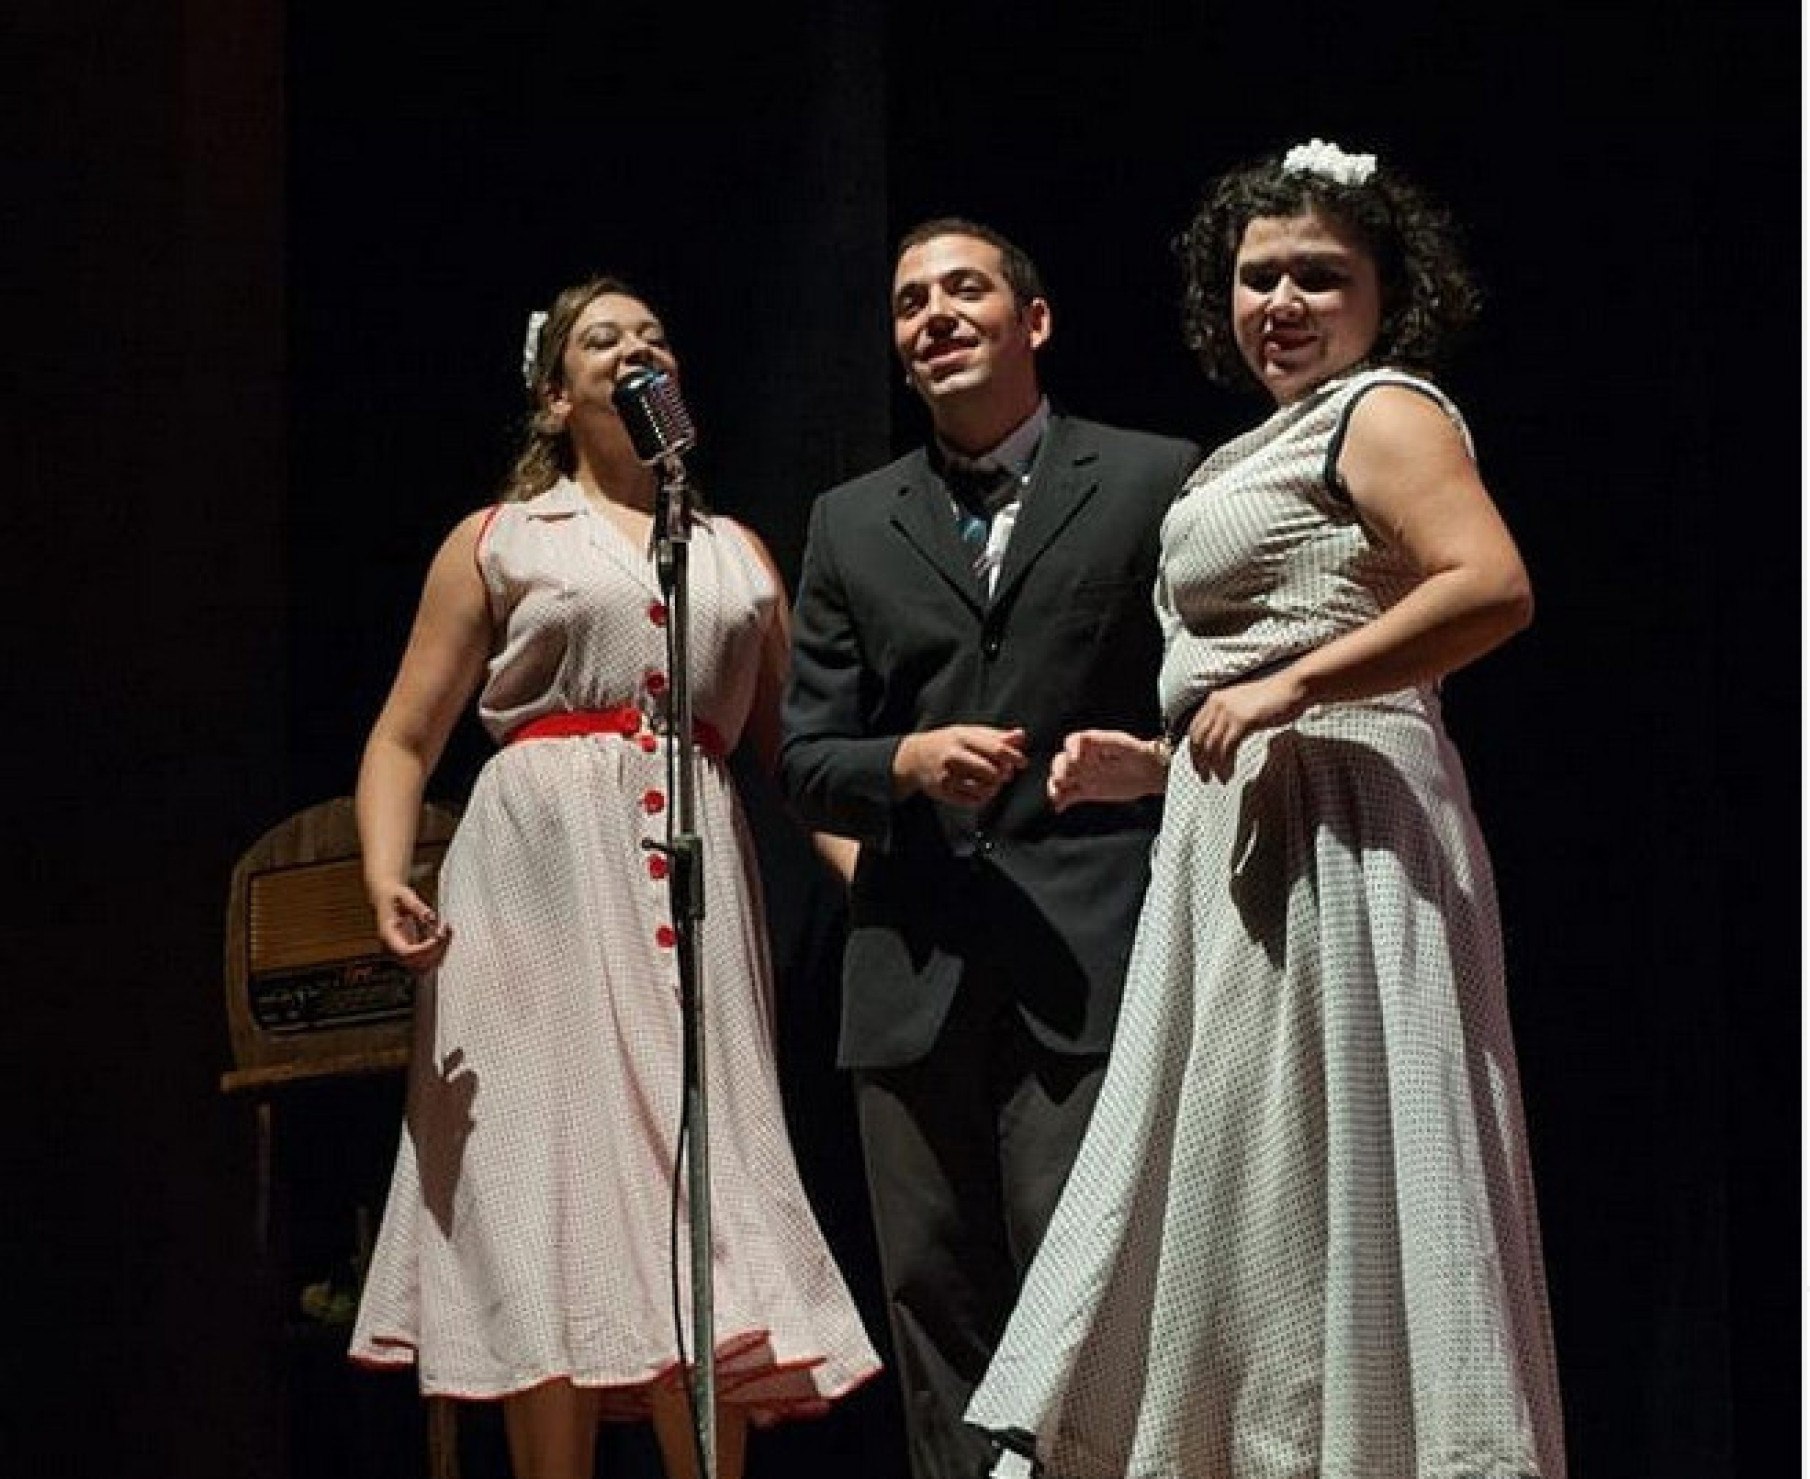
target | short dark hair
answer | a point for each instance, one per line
(1021, 272)
(1428, 296)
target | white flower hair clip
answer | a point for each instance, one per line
(531, 346)
(1329, 162)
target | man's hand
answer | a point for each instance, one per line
(960, 764)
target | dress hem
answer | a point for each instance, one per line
(627, 1399)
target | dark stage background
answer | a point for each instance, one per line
(271, 267)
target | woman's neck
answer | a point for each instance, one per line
(625, 482)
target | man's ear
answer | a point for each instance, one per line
(1037, 322)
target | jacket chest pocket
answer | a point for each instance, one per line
(1093, 608)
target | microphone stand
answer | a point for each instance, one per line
(685, 885)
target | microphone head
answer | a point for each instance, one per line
(647, 399)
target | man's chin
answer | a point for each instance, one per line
(958, 381)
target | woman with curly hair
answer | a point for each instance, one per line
(526, 1249)
(1300, 1241)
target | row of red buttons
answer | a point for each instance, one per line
(654, 802)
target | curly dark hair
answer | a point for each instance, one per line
(1428, 295)
(545, 455)
(1021, 272)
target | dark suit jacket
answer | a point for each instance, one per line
(891, 635)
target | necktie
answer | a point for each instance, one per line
(978, 492)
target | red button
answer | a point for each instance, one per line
(664, 937)
(656, 867)
(647, 742)
(656, 613)
(653, 803)
(655, 682)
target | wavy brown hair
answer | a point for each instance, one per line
(546, 454)
(1428, 296)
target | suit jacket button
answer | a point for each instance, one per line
(983, 844)
(990, 647)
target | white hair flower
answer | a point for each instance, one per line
(531, 346)
(1329, 162)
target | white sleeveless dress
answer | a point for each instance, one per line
(1300, 1239)
(528, 1226)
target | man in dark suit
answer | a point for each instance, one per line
(961, 611)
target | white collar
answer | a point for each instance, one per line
(562, 500)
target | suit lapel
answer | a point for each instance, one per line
(921, 513)
(1062, 481)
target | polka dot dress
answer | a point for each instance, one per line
(527, 1230)
(1300, 1239)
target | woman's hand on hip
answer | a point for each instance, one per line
(1230, 714)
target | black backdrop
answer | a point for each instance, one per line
(271, 270)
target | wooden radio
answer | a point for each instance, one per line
(309, 988)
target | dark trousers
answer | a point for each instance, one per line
(967, 1151)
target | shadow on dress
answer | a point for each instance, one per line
(439, 1116)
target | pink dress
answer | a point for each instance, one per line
(528, 1230)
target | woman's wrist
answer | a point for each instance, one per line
(381, 888)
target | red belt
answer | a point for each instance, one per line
(625, 720)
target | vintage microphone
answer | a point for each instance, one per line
(654, 415)
(648, 401)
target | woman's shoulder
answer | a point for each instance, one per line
(1395, 385)
(507, 518)
(746, 548)
(505, 540)
(1388, 408)
(471, 529)
(742, 536)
